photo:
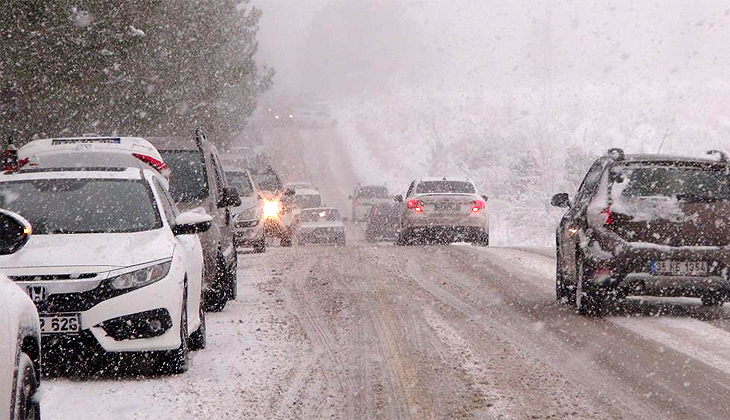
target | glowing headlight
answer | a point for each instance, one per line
(271, 209)
(142, 277)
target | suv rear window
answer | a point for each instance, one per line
(445, 187)
(372, 192)
(188, 178)
(685, 183)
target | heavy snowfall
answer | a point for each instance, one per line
(480, 315)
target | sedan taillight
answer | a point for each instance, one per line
(478, 205)
(415, 205)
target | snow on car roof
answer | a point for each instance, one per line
(445, 178)
(75, 173)
(89, 144)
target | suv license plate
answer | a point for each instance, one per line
(447, 206)
(681, 268)
(60, 323)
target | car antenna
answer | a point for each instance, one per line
(666, 133)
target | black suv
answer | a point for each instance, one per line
(650, 225)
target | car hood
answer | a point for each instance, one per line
(248, 209)
(313, 225)
(102, 251)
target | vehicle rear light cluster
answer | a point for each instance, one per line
(607, 216)
(478, 205)
(415, 205)
(155, 163)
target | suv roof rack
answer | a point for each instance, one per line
(719, 153)
(616, 153)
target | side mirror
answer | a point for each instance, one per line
(398, 198)
(561, 200)
(14, 232)
(191, 222)
(230, 198)
(485, 198)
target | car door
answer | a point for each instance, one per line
(573, 222)
(190, 248)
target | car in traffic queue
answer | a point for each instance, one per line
(269, 185)
(363, 199)
(197, 181)
(112, 266)
(443, 210)
(382, 223)
(20, 332)
(645, 225)
(319, 226)
(248, 218)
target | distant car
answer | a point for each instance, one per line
(382, 224)
(652, 225)
(248, 218)
(364, 197)
(443, 210)
(267, 181)
(112, 266)
(302, 198)
(20, 332)
(197, 181)
(319, 226)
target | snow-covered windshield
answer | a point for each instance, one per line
(67, 206)
(240, 181)
(686, 183)
(319, 215)
(445, 187)
(189, 179)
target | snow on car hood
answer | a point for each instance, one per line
(248, 210)
(100, 250)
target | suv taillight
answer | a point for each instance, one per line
(415, 205)
(478, 205)
(607, 214)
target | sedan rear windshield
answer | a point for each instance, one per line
(445, 187)
(320, 215)
(65, 206)
(685, 183)
(188, 178)
(306, 201)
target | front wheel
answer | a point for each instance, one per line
(199, 338)
(260, 247)
(26, 384)
(177, 361)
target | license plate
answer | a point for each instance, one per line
(60, 323)
(447, 206)
(680, 268)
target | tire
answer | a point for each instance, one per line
(286, 242)
(260, 247)
(26, 384)
(482, 239)
(712, 300)
(404, 238)
(199, 338)
(561, 292)
(218, 294)
(232, 282)
(589, 300)
(175, 362)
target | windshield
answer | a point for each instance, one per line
(682, 182)
(67, 206)
(267, 181)
(372, 192)
(445, 187)
(319, 215)
(188, 179)
(240, 181)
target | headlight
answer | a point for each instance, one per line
(141, 277)
(271, 209)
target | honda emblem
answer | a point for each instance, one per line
(37, 293)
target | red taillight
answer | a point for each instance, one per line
(478, 205)
(415, 205)
(608, 216)
(157, 164)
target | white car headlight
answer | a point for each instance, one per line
(141, 277)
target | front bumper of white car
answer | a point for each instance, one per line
(143, 319)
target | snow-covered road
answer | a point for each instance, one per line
(457, 332)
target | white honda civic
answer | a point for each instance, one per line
(111, 266)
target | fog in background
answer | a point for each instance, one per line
(520, 95)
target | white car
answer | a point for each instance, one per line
(443, 210)
(91, 152)
(111, 265)
(20, 333)
(248, 218)
(319, 226)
